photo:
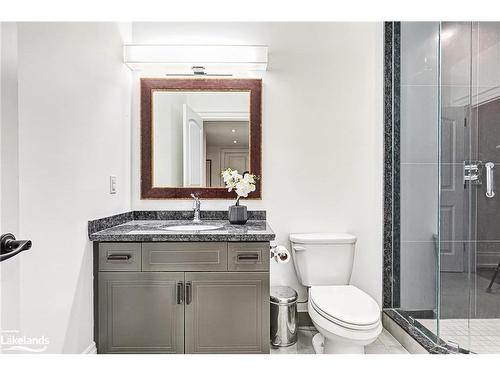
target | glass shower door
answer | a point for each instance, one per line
(460, 173)
(484, 322)
(418, 167)
(447, 169)
(469, 231)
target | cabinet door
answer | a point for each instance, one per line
(140, 312)
(227, 312)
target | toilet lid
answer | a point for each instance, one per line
(345, 305)
(322, 238)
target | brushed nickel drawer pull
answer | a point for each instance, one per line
(247, 257)
(189, 292)
(119, 257)
(180, 292)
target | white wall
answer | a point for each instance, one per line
(9, 117)
(322, 131)
(74, 132)
(9, 179)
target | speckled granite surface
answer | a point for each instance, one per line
(109, 221)
(418, 335)
(154, 230)
(423, 336)
(98, 225)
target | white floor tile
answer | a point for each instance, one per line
(477, 335)
(385, 344)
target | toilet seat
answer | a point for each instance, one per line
(346, 306)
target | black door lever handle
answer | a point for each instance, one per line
(10, 247)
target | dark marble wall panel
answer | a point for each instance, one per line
(387, 235)
(391, 261)
(188, 215)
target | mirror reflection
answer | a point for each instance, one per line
(197, 134)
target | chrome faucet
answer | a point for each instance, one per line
(196, 208)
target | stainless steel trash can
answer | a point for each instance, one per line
(283, 316)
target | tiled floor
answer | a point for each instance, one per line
(385, 344)
(484, 335)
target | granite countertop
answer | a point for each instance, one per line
(153, 230)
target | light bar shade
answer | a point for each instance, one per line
(182, 57)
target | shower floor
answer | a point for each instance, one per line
(484, 335)
(456, 303)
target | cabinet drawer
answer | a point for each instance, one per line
(248, 256)
(119, 257)
(184, 256)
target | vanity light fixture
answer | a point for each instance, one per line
(185, 58)
(199, 71)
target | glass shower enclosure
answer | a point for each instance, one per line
(446, 170)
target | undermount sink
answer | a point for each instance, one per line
(190, 227)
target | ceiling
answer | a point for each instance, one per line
(220, 133)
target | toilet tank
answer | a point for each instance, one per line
(323, 258)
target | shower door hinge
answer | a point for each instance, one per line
(472, 172)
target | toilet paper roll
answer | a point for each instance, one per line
(281, 254)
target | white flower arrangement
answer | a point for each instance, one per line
(242, 184)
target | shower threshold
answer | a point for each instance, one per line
(423, 334)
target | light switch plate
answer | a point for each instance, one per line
(112, 184)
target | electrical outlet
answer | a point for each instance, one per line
(112, 184)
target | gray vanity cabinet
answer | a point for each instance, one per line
(176, 297)
(227, 312)
(139, 312)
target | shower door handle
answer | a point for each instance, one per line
(490, 193)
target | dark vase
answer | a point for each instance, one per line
(238, 214)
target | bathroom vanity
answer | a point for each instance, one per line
(160, 290)
(164, 283)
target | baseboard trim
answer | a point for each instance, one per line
(91, 349)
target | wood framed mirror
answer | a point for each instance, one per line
(192, 129)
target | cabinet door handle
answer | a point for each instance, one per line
(119, 257)
(490, 192)
(180, 292)
(189, 292)
(253, 256)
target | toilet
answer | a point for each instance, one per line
(346, 318)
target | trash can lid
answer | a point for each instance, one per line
(283, 294)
